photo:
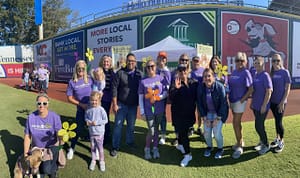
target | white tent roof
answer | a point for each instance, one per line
(172, 46)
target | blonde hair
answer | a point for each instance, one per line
(99, 73)
(96, 95)
(85, 75)
(242, 56)
(105, 56)
(42, 95)
(280, 63)
(188, 63)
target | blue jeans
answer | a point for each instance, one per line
(209, 128)
(260, 126)
(128, 112)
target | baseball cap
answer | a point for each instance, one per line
(162, 54)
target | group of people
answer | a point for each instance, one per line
(39, 78)
(190, 89)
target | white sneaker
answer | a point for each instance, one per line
(147, 153)
(70, 154)
(258, 146)
(234, 147)
(102, 166)
(237, 153)
(264, 149)
(155, 153)
(92, 165)
(187, 158)
(162, 140)
(97, 154)
(180, 148)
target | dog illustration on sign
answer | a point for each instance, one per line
(260, 39)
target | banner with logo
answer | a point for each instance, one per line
(255, 35)
(42, 53)
(101, 39)
(296, 53)
(67, 50)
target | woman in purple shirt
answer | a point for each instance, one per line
(41, 130)
(78, 92)
(240, 87)
(281, 88)
(262, 90)
(152, 108)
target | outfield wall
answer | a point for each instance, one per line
(228, 29)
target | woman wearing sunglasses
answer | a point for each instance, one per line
(240, 86)
(78, 92)
(183, 94)
(41, 131)
(152, 106)
(281, 88)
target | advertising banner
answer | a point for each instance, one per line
(101, 39)
(42, 53)
(119, 53)
(13, 58)
(190, 28)
(67, 50)
(255, 35)
(296, 53)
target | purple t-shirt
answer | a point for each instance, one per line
(43, 130)
(209, 101)
(238, 82)
(166, 75)
(261, 82)
(197, 74)
(80, 91)
(154, 83)
(280, 78)
(42, 73)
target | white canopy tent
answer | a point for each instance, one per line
(172, 46)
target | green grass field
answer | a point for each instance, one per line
(17, 104)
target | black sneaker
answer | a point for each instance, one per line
(113, 153)
(275, 143)
(175, 142)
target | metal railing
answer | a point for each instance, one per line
(142, 5)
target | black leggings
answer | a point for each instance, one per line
(183, 139)
(278, 119)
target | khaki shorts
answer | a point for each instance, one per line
(238, 107)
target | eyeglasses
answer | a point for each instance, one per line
(184, 60)
(80, 68)
(239, 60)
(133, 61)
(275, 60)
(42, 103)
(150, 66)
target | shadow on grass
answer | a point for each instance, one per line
(13, 146)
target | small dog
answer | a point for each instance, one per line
(29, 165)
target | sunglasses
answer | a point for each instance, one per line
(184, 60)
(80, 68)
(275, 60)
(150, 66)
(42, 103)
(239, 60)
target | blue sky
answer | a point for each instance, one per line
(86, 7)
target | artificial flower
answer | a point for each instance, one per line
(67, 131)
(89, 54)
(221, 70)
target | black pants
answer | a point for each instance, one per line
(278, 119)
(183, 139)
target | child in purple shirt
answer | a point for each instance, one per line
(152, 106)
(96, 119)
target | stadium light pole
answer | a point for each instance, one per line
(39, 17)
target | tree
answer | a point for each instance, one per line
(55, 17)
(17, 24)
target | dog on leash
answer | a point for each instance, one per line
(29, 165)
